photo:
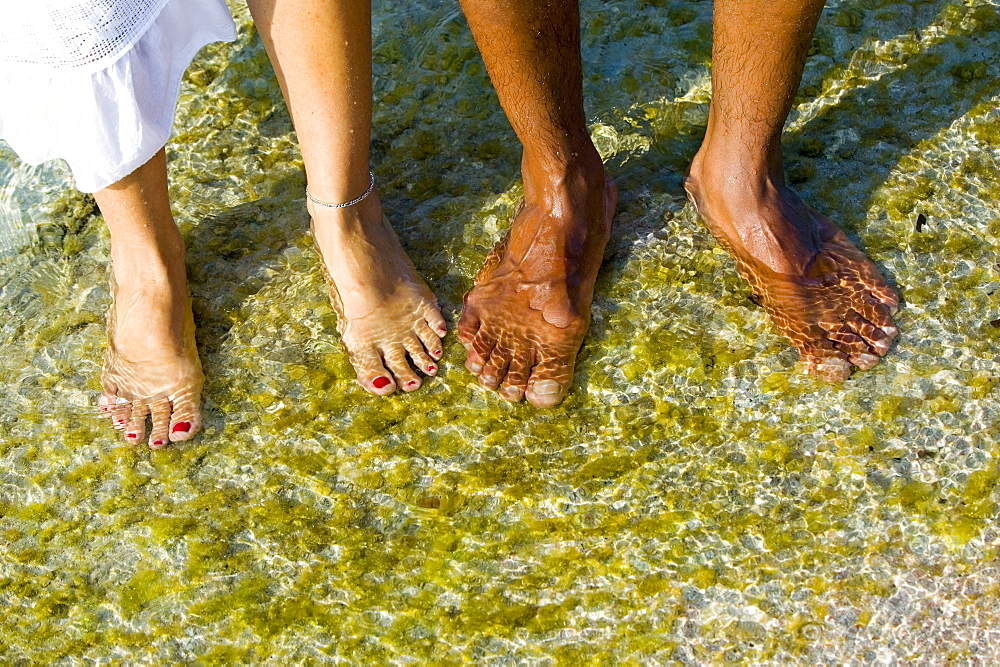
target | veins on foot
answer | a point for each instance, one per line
(526, 316)
(388, 318)
(824, 295)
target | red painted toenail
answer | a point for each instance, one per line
(411, 383)
(182, 426)
(157, 442)
(437, 353)
(381, 382)
(131, 435)
(432, 368)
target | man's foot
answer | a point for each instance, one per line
(151, 367)
(823, 294)
(529, 309)
(385, 311)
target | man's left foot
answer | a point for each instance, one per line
(529, 309)
(824, 295)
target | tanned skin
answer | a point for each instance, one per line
(526, 316)
(822, 293)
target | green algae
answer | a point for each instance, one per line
(697, 498)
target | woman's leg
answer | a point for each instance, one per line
(321, 51)
(152, 365)
(823, 293)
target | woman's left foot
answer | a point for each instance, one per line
(387, 316)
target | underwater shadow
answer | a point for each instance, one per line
(231, 255)
(890, 132)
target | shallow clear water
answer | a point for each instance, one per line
(696, 498)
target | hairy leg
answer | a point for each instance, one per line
(821, 292)
(387, 316)
(151, 366)
(526, 317)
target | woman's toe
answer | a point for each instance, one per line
(372, 374)
(430, 340)
(418, 355)
(159, 433)
(395, 359)
(185, 421)
(436, 322)
(135, 429)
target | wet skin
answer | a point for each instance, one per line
(388, 319)
(151, 367)
(824, 295)
(525, 318)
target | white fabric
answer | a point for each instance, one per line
(108, 122)
(87, 34)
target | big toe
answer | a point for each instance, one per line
(372, 374)
(185, 421)
(545, 393)
(549, 382)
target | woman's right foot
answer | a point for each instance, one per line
(387, 316)
(151, 367)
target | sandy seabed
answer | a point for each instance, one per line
(696, 499)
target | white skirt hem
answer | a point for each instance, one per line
(108, 123)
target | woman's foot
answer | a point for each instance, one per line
(151, 367)
(387, 317)
(824, 295)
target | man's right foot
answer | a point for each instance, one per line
(824, 295)
(526, 316)
(387, 316)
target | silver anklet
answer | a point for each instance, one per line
(371, 186)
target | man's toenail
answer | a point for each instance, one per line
(381, 382)
(547, 387)
(182, 426)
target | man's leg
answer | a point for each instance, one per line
(823, 294)
(525, 319)
(151, 361)
(387, 316)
